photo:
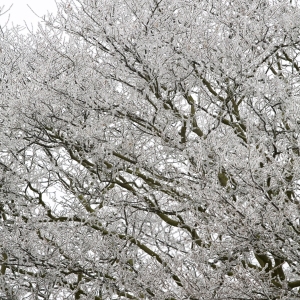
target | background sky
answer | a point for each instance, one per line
(20, 12)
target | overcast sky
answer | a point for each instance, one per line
(20, 11)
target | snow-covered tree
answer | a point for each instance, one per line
(150, 150)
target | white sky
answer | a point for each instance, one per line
(20, 12)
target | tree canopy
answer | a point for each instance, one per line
(150, 150)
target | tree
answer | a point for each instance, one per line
(150, 150)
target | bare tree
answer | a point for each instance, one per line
(150, 150)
